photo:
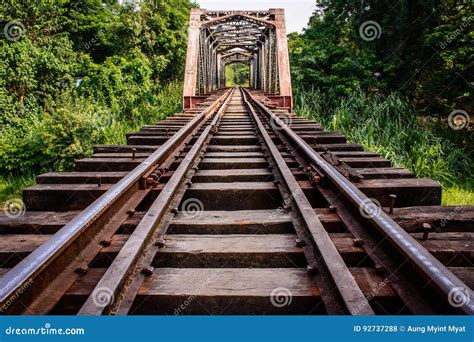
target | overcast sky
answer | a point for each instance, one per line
(297, 12)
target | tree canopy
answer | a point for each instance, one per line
(71, 69)
(419, 48)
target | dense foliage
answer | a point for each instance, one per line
(420, 48)
(389, 126)
(237, 74)
(387, 74)
(77, 73)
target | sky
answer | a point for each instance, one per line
(297, 12)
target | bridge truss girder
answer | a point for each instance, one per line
(256, 38)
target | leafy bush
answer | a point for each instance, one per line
(81, 73)
(421, 49)
(389, 126)
(69, 127)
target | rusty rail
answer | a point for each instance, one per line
(39, 262)
(441, 278)
(353, 298)
(125, 261)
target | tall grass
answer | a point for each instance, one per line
(388, 125)
(69, 129)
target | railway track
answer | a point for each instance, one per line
(236, 207)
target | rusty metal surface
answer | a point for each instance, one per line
(247, 167)
(242, 170)
(442, 279)
(352, 296)
(219, 38)
(129, 255)
(38, 261)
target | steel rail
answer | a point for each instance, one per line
(348, 289)
(127, 258)
(17, 281)
(440, 277)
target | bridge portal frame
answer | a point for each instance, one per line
(258, 39)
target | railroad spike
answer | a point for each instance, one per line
(300, 243)
(82, 270)
(312, 270)
(426, 230)
(106, 243)
(160, 243)
(380, 269)
(148, 271)
(393, 198)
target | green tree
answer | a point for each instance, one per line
(420, 48)
(77, 73)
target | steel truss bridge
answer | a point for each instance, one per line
(220, 38)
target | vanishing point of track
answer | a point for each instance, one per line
(236, 207)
